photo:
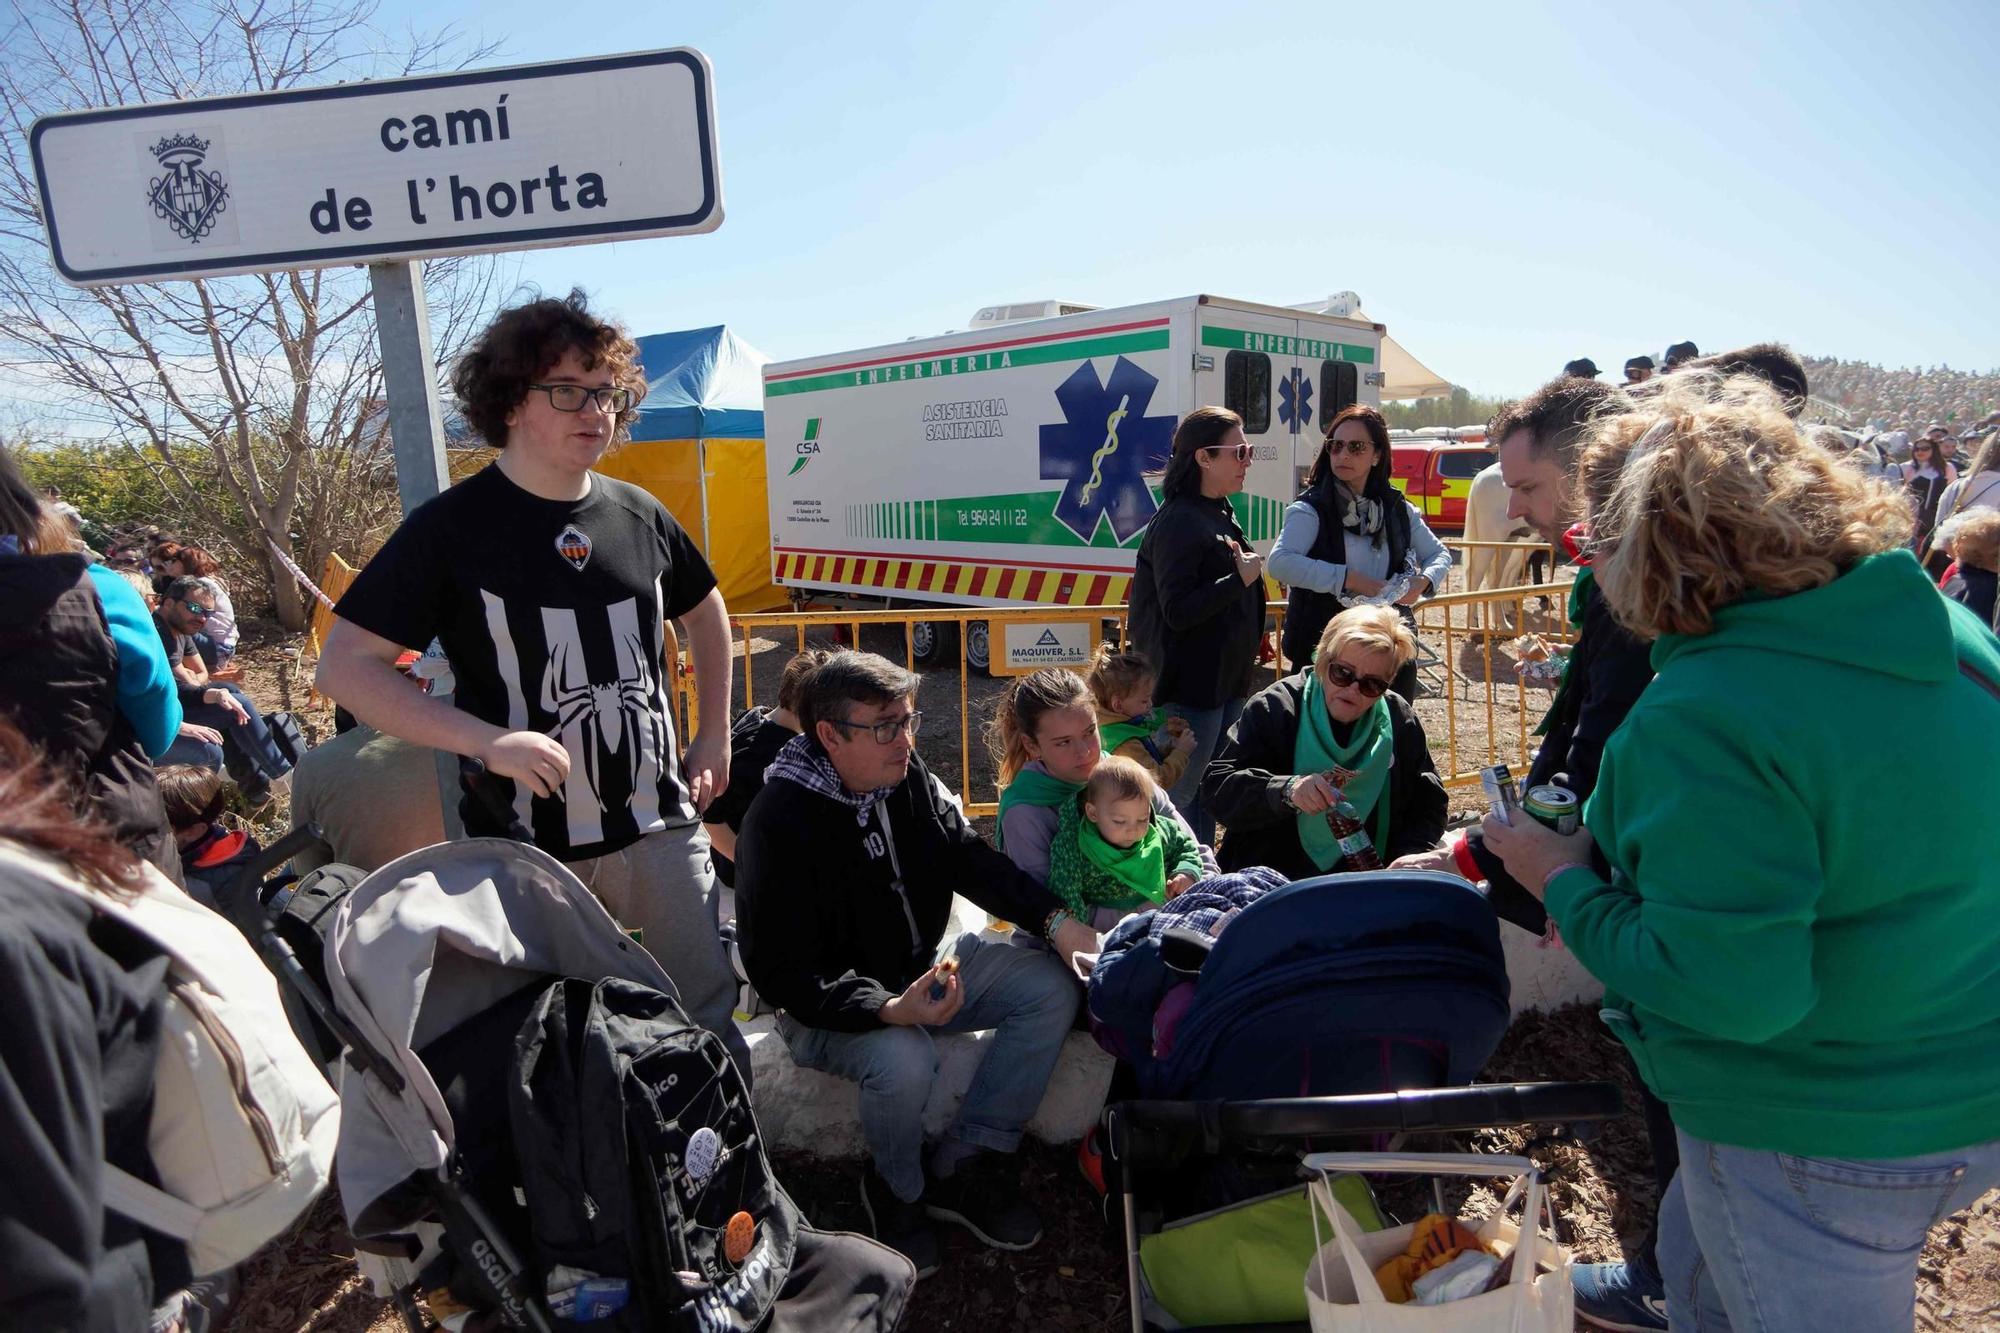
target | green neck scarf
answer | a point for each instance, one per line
(1580, 594)
(1087, 872)
(1367, 755)
(1115, 734)
(1030, 787)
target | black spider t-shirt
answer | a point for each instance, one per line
(551, 612)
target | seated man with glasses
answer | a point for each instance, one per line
(212, 707)
(1333, 732)
(845, 870)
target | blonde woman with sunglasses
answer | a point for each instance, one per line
(1335, 731)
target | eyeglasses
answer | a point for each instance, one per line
(1343, 675)
(198, 608)
(1241, 451)
(1352, 448)
(886, 731)
(572, 397)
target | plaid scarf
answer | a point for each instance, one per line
(805, 761)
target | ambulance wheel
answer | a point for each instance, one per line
(934, 642)
(978, 654)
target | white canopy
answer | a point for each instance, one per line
(1403, 376)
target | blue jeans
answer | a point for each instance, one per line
(192, 750)
(1208, 725)
(1774, 1243)
(248, 748)
(1024, 995)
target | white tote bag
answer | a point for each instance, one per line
(1342, 1295)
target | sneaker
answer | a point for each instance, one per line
(1626, 1297)
(984, 1197)
(903, 1227)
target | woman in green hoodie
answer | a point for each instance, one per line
(1815, 997)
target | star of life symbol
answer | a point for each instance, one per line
(189, 198)
(1295, 401)
(573, 544)
(1104, 448)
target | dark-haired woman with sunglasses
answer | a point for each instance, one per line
(1349, 534)
(1334, 730)
(1198, 593)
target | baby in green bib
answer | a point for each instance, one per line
(1112, 849)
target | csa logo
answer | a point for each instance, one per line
(573, 544)
(189, 198)
(808, 448)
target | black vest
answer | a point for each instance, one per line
(1306, 611)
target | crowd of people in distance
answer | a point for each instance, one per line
(1762, 651)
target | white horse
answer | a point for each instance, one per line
(1486, 521)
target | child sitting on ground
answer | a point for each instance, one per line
(211, 854)
(1122, 683)
(1112, 850)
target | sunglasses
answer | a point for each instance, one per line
(1240, 451)
(198, 608)
(1352, 448)
(1342, 675)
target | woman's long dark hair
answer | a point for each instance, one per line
(23, 515)
(40, 812)
(1378, 487)
(1200, 429)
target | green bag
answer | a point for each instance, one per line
(1246, 1264)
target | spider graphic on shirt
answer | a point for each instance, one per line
(613, 719)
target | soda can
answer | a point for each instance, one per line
(1555, 806)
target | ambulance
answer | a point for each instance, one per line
(1018, 462)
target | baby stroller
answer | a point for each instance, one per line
(1247, 986)
(531, 1123)
(1258, 1021)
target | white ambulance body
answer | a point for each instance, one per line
(1017, 463)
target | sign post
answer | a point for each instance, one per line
(416, 427)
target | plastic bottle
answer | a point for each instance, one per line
(1357, 849)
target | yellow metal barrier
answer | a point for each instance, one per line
(1476, 696)
(333, 581)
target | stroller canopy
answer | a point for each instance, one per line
(425, 943)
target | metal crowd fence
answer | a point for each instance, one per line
(1477, 709)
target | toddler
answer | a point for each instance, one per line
(1122, 683)
(1112, 851)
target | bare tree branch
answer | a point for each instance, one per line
(255, 403)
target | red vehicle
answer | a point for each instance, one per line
(1434, 471)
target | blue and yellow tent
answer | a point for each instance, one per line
(698, 446)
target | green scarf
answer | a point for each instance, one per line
(1086, 872)
(1115, 734)
(1367, 755)
(1030, 787)
(1580, 594)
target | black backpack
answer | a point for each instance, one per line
(592, 1057)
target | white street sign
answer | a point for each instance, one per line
(611, 148)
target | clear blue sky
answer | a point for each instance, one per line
(1507, 186)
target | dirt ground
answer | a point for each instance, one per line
(1074, 1279)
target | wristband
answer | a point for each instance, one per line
(1566, 865)
(1053, 922)
(1462, 857)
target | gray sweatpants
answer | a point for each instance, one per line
(663, 886)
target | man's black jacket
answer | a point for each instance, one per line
(1608, 670)
(825, 934)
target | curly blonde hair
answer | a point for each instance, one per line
(1708, 492)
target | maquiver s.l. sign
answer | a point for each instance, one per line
(609, 148)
